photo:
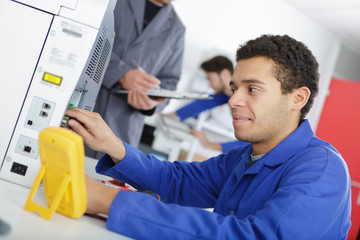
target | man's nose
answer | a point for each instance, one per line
(238, 99)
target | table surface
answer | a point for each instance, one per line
(29, 225)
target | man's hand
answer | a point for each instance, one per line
(172, 114)
(139, 100)
(96, 133)
(136, 79)
(200, 135)
(99, 197)
(204, 141)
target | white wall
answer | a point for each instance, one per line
(224, 25)
(348, 64)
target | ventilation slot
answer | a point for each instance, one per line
(88, 108)
(102, 61)
(97, 62)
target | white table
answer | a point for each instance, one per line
(29, 225)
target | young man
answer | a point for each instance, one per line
(287, 184)
(218, 71)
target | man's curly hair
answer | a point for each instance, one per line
(295, 65)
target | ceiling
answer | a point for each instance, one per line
(340, 16)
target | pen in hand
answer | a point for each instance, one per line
(138, 66)
(157, 86)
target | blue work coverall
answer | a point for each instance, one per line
(298, 190)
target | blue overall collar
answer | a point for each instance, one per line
(294, 143)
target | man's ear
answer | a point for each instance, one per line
(300, 97)
(225, 73)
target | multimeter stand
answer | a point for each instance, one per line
(46, 212)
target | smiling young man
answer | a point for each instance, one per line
(287, 184)
(262, 114)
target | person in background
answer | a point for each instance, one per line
(149, 34)
(218, 71)
(286, 184)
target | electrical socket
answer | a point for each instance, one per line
(18, 168)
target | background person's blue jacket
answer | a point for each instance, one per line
(196, 107)
(298, 190)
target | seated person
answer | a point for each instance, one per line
(286, 184)
(218, 71)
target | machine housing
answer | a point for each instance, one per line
(53, 54)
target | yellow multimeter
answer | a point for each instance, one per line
(62, 174)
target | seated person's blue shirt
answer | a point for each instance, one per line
(196, 107)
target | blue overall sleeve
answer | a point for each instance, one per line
(196, 107)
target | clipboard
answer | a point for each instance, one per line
(164, 93)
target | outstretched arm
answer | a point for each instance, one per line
(96, 133)
(99, 196)
(204, 141)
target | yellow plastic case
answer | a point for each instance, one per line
(62, 173)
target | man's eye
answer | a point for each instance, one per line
(233, 90)
(253, 89)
